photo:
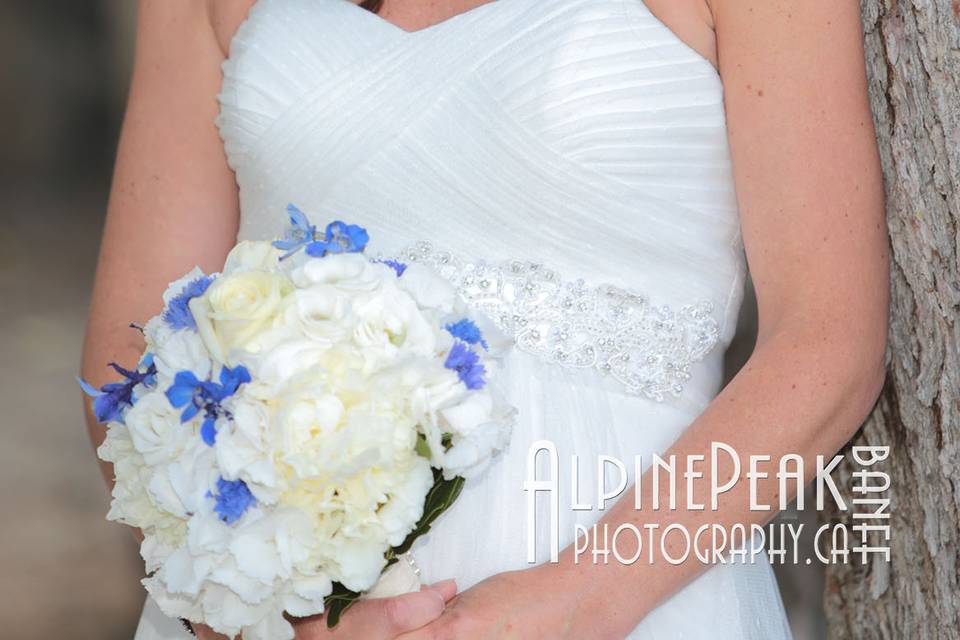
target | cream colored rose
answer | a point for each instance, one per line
(389, 323)
(248, 254)
(238, 308)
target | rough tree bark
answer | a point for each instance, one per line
(913, 63)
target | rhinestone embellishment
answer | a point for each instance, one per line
(647, 348)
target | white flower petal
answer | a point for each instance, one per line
(256, 557)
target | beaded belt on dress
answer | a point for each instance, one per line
(647, 348)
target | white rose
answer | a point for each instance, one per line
(238, 308)
(470, 455)
(431, 387)
(480, 427)
(429, 288)
(323, 313)
(288, 360)
(475, 409)
(389, 323)
(175, 351)
(351, 272)
(252, 255)
(155, 429)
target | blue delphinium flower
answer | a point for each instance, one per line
(299, 233)
(148, 368)
(233, 499)
(399, 267)
(467, 330)
(194, 395)
(190, 394)
(467, 364)
(208, 430)
(231, 379)
(178, 314)
(340, 237)
(112, 399)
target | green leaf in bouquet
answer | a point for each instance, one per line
(423, 447)
(441, 495)
(339, 600)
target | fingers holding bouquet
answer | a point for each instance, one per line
(373, 619)
(382, 618)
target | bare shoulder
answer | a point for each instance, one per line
(226, 17)
(691, 21)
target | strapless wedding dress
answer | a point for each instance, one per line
(565, 164)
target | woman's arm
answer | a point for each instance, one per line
(174, 205)
(173, 201)
(811, 202)
(810, 191)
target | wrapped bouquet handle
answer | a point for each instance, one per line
(403, 576)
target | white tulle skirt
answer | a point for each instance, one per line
(582, 414)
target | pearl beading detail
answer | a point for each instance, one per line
(647, 348)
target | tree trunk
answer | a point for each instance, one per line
(913, 64)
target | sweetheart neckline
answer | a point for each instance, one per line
(436, 26)
(430, 27)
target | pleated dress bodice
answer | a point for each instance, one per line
(580, 134)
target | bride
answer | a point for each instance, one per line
(638, 153)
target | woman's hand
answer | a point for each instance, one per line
(375, 619)
(547, 601)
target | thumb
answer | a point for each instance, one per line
(446, 588)
(377, 618)
(407, 612)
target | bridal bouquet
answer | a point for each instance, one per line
(295, 422)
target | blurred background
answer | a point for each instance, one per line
(67, 572)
